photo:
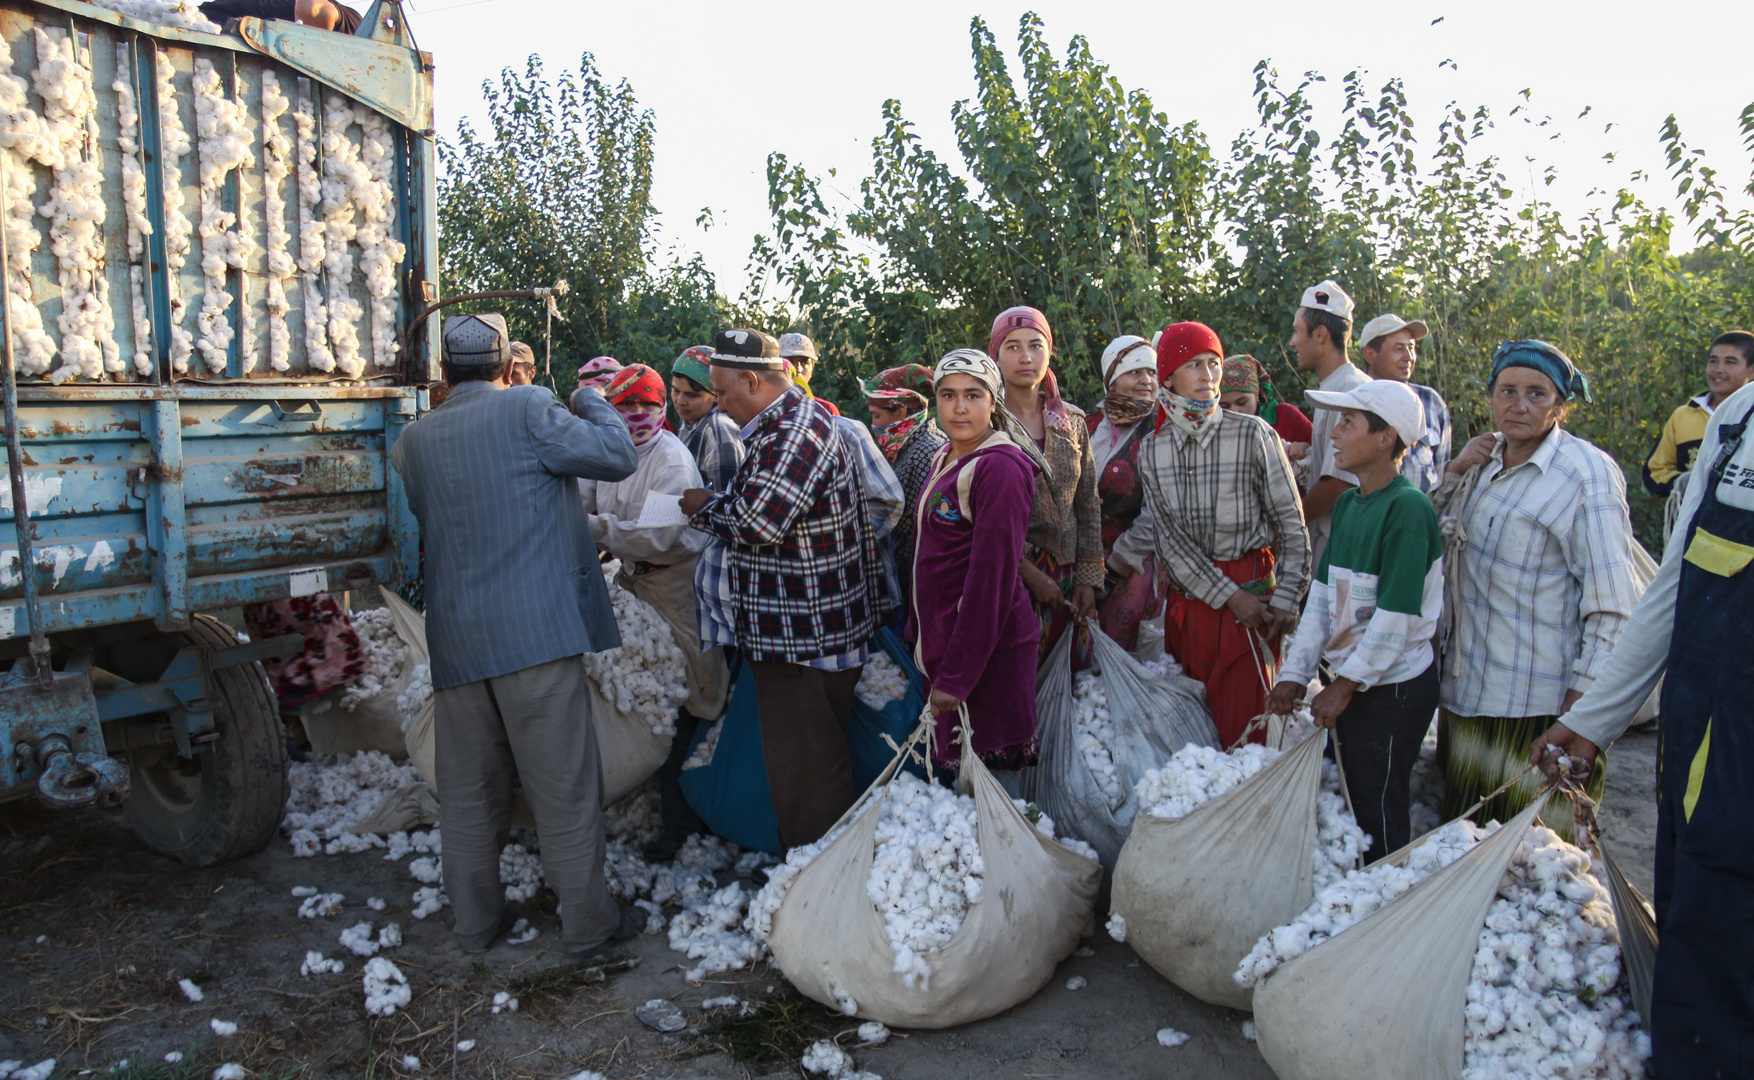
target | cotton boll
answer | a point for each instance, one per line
(521, 933)
(873, 1033)
(1117, 927)
(386, 988)
(1093, 731)
(174, 145)
(428, 901)
(359, 940)
(504, 1002)
(223, 1028)
(316, 964)
(881, 681)
(826, 1059)
(702, 754)
(190, 990)
(231, 1070)
(647, 675)
(1171, 1038)
(1077, 982)
(520, 872)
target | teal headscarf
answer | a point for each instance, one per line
(1548, 360)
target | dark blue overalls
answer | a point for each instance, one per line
(1702, 1012)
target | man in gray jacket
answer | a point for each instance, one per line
(514, 596)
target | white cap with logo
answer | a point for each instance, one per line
(1384, 325)
(1328, 297)
(797, 345)
(1391, 400)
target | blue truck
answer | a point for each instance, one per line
(201, 390)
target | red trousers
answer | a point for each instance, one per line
(1215, 649)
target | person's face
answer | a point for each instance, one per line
(1355, 445)
(1140, 384)
(1309, 350)
(965, 409)
(523, 374)
(1023, 358)
(691, 404)
(739, 393)
(886, 411)
(1198, 378)
(1238, 401)
(1525, 404)
(803, 366)
(1395, 360)
(1727, 370)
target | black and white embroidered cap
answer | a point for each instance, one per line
(748, 350)
(477, 340)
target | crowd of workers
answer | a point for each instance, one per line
(1341, 555)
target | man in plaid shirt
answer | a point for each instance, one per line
(804, 575)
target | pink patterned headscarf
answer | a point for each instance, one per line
(1053, 407)
(598, 370)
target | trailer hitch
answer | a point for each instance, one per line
(72, 780)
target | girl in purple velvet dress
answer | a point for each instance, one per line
(975, 628)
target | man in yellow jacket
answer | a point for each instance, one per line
(1728, 368)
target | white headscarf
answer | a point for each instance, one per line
(1129, 352)
(981, 367)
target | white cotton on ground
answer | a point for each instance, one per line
(223, 1028)
(316, 964)
(881, 681)
(386, 988)
(1544, 997)
(190, 990)
(826, 1059)
(647, 675)
(1077, 982)
(327, 798)
(1117, 927)
(504, 1002)
(359, 939)
(1093, 731)
(465, 1046)
(428, 901)
(17, 1070)
(1171, 1038)
(231, 1070)
(872, 1033)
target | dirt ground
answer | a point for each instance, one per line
(96, 931)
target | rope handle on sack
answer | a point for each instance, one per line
(925, 731)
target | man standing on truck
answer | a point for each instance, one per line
(491, 471)
(322, 14)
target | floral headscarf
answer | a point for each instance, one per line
(910, 383)
(1248, 375)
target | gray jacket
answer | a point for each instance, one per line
(512, 578)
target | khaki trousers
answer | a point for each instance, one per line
(535, 723)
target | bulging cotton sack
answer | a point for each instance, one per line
(1152, 718)
(1387, 997)
(1198, 891)
(376, 723)
(829, 940)
(630, 751)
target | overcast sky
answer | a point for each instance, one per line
(730, 82)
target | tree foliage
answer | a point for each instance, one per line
(559, 188)
(1078, 196)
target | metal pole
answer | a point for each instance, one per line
(27, 561)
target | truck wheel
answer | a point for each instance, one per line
(228, 800)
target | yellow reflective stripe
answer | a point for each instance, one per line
(1715, 555)
(1696, 774)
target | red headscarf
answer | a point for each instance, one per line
(635, 384)
(1182, 342)
(1017, 318)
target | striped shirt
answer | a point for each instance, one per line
(1427, 458)
(1546, 582)
(717, 448)
(1214, 500)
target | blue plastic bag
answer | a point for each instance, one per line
(731, 794)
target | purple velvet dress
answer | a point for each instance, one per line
(972, 618)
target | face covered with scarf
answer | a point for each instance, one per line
(1129, 372)
(897, 398)
(637, 392)
(1190, 366)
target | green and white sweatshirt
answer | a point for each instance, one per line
(1374, 604)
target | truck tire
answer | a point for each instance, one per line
(228, 800)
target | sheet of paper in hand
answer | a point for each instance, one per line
(660, 510)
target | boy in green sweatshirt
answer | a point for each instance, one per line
(1373, 610)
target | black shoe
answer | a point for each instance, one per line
(632, 923)
(663, 849)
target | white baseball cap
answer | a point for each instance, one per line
(1384, 325)
(797, 345)
(1393, 401)
(1329, 297)
(1129, 352)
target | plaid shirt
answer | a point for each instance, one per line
(800, 556)
(1427, 458)
(1216, 499)
(1546, 581)
(716, 446)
